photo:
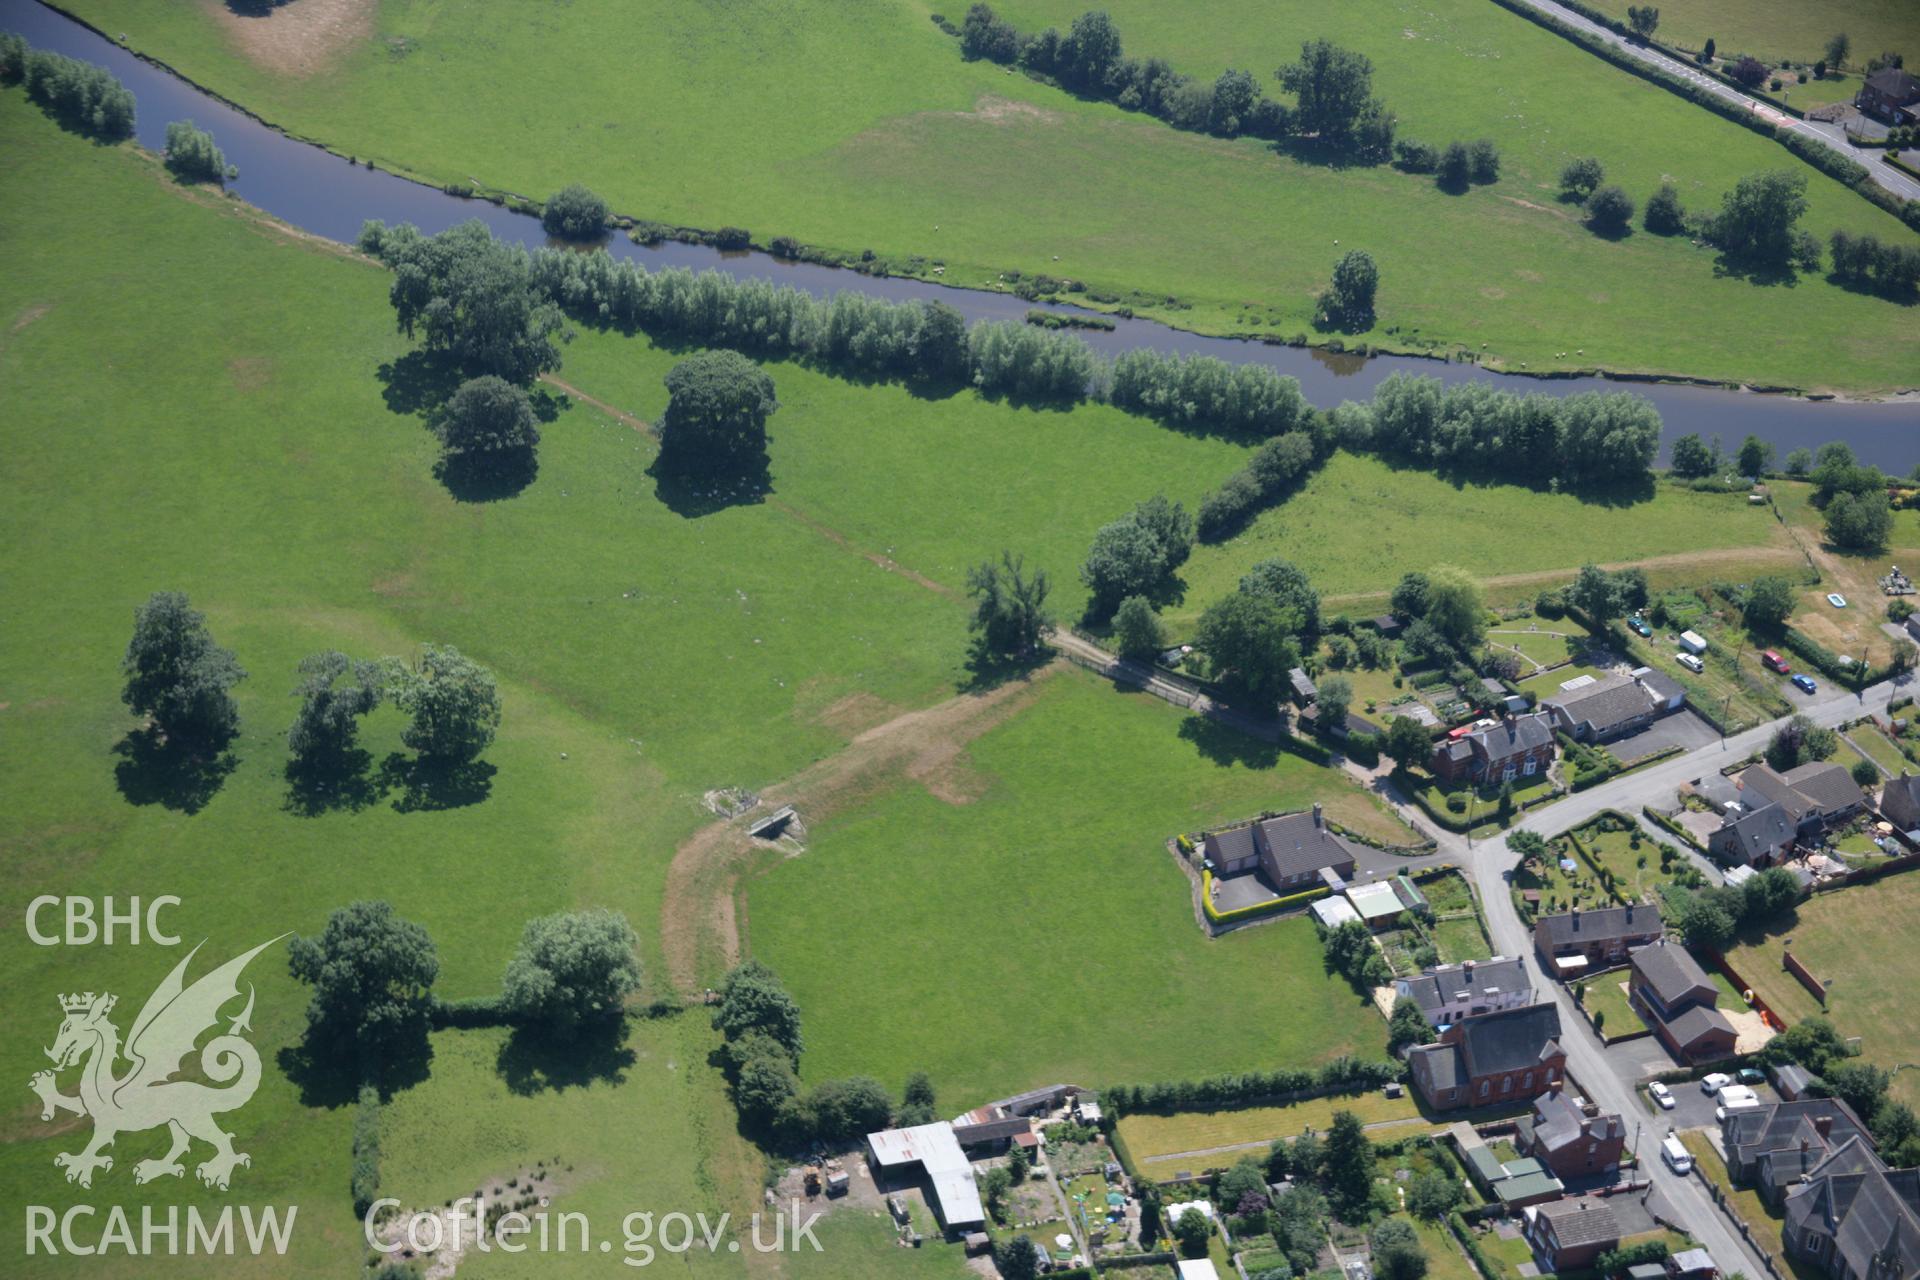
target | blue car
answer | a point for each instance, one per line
(1805, 684)
(1640, 628)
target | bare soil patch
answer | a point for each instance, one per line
(28, 316)
(700, 917)
(296, 39)
(250, 373)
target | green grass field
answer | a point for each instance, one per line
(886, 139)
(1161, 1137)
(1854, 940)
(1040, 932)
(643, 657)
(1360, 523)
(1776, 29)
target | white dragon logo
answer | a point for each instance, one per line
(148, 1096)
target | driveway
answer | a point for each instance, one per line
(1683, 729)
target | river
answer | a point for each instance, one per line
(319, 192)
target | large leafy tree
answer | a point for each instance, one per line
(1757, 222)
(1287, 585)
(178, 677)
(1859, 521)
(572, 970)
(1010, 606)
(718, 403)
(1134, 554)
(1249, 643)
(334, 692)
(1349, 1162)
(372, 976)
(472, 297)
(1596, 594)
(1137, 632)
(1769, 603)
(453, 702)
(487, 418)
(753, 999)
(1348, 302)
(575, 213)
(1455, 607)
(1334, 87)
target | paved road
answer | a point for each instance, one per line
(1491, 864)
(1609, 1081)
(1830, 135)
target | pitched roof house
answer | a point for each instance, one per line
(1575, 941)
(1774, 1145)
(1291, 849)
(1889, 94)
(1604, 708)
(1815, 795)
(1496, 1057)
(1450, 992)
(1568, 1235)
(1567, 1140)
(1675, 997)
(1514, 747)
(1855, 1218)
(1900, 801)
(1756, 838)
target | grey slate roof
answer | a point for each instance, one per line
(1558, 1122)
(1868, 1213)
(1296, 844)
(1773, 1126)
(1607, 924)
(1697, 1023)
(1900, 801)
(1895, 84)
(1828, 785)
(1662, 686)
(1515, 735)
(1603, 706)
(1510, 1039)
(1582, 1220)
(1672, 974)
(1756, 835)
(1453, 983)
(1231, 845)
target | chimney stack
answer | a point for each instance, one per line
(1316, 814)
(1576, 919)
(1823, 1125)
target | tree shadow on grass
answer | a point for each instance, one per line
(328, 1069)
(427, 786)
(987, 670)
(692, 497)
(419, 381)
(489, 477)
(1755, 271)
(153, 770)
(1224, 745)
(535, 1060)
(343, 782)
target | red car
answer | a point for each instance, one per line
(1775, 661)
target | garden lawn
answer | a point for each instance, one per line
(858, 126)
(1461, 939)
(1607, 995)
(1360, 523)
(1445, 1260)
(1775, 29)
(1856, 629)
(1041, 932)
(1878, 745)
(1614, 851)
(1155, 1137)
(1858, 940)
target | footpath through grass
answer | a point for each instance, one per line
(1040, 932)
(858, 125)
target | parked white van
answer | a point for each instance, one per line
(1675, 1153)
(1690, 662)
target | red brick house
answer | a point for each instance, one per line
(1577, 942)
(1568, 1141)
(1514, 749)
(1674, 996)
(1497, 1057)
(1889, 94)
